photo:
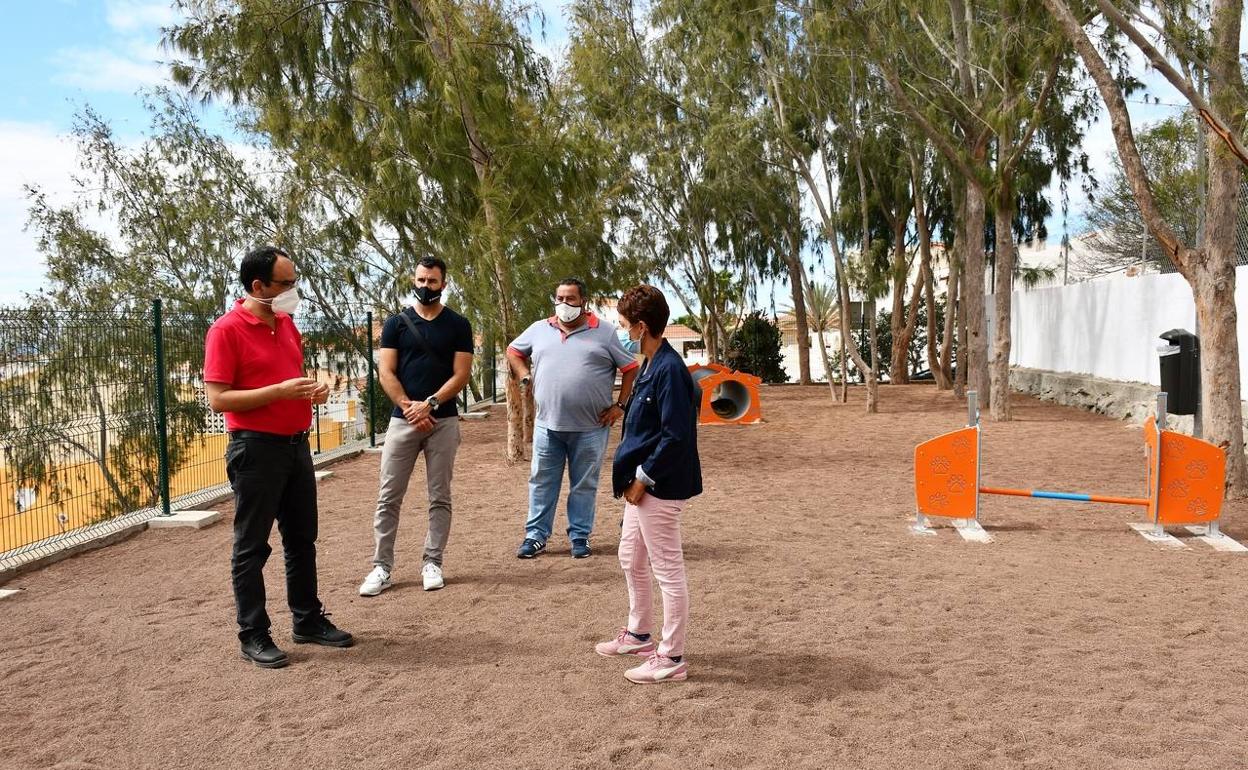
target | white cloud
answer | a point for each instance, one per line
(129, 55)
(30, 154)
(130, 16)
(124, 68)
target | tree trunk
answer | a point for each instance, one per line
(952, 305)
(964, 348)
(933, 355)
(912, 321)
(975, 339)
(868, 370)
(827, 364)
(898, 371)
(1002, 294)
(844, 372)
(873, 382)
(1210, 271)
(793, 259)
(1221, 404)
(481, 157)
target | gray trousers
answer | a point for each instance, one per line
(398, 457)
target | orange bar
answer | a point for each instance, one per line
(1078, 497)
(1002, 491)
(1144, 501)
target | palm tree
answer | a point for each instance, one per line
(822, 315)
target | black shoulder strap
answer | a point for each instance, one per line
(417, 335)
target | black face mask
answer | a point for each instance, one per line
(428, 296)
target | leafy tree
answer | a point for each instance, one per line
(1199, 54)
(427, 127)
(755, 348)
(1169, 149)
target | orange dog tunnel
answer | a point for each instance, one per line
(1185, 479)
(728, 397)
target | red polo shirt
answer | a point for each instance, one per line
(243, 352)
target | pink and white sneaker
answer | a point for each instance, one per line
(625, 643)
(658, 668)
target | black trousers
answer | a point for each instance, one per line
(272, 481)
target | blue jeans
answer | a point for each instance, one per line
(581, 452)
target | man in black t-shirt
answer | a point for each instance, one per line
(424, 361)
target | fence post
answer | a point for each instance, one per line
(368, 332)
(162, 416)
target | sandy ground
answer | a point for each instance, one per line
(823, 633)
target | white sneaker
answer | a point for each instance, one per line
(377, 581)
(432, 574)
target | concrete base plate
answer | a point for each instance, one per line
(195, 519)
(7, 592)
(1150, 533)
(1219, 542)
(322, 475)
(922, 529)
(971, 531)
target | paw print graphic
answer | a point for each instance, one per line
(961, 444)
(940, 465)
(1177, 488)
(1197, 507)
(957, 483)
(938, 501)
(1197, 469)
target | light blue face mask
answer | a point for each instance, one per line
(632, 346)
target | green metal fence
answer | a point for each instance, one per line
(104, 422)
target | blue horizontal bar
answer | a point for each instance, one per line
(1062, 495)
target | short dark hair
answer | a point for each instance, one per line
(646, 304)
(258, 264)
(578, 283)
(432, 262)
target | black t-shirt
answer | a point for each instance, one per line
(427, 363)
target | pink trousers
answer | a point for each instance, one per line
(650, 543)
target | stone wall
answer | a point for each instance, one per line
(1134, 402)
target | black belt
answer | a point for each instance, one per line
(276, 438)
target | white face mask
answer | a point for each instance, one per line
(287, 302)
(567, 313)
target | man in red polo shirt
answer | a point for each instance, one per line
(253, 372)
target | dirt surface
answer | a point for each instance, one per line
(823, 634)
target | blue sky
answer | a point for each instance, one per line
(57, 55)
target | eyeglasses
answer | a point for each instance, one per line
(563, 301)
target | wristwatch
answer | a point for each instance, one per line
(525, 380)
(432, 401)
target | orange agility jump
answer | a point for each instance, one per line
(1185, 480)
(728, 397)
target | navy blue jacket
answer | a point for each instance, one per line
(661, 431)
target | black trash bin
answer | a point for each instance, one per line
(1180, 371)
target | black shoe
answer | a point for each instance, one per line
(580, 548)
(321, 631)
(530, 548)
(260, 650)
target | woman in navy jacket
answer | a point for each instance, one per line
(656, 471)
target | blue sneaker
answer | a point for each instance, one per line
(580, 548)
(530, 548)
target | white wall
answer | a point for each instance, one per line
(1108, 328)
(791, 360)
